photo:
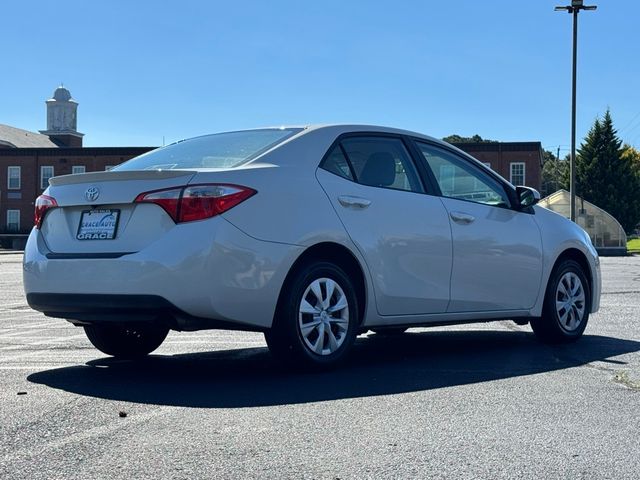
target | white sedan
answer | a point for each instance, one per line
(311, 235)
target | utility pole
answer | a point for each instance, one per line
(557, 166)
(574, 9)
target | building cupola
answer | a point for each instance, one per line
(62, 119)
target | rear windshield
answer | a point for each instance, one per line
(221, 150)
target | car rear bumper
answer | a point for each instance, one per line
(88, 309)
(204, 274)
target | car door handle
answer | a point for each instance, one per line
(461, 218)
(353, 202)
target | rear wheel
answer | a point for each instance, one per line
(316, 322)
(126, 341)
(566, 305)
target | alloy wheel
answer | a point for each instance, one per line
(323, 316)
(570, 301)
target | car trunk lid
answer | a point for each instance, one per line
(104, 203)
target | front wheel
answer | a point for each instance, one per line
(566, 305)
(126, 341)
(317, 320)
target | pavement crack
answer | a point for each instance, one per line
(623, 379)
(619, 376)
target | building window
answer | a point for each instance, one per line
(13, 175)
(108, 167)
(13, 220)
(517, 173)
(78, 169)
(46, 172)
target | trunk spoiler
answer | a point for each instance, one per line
(111, 176)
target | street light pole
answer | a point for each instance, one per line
(574, 9)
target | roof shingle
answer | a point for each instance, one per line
(17, 138)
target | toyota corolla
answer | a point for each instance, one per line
(311, 235)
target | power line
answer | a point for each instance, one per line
(629, 123)
(628, 132)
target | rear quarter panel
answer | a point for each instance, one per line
(290, 206)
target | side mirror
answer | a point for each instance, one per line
(528, 196)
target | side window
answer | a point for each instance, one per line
(336, 163)
(382, 162)
(459, 179)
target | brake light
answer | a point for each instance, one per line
(167, 199)
(197, 202)
(43, 203)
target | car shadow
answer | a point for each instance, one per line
(378, 366)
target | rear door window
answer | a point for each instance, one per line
(337, 163)
(382, 162)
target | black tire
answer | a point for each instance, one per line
(129, 342)
(389, 331)
(550, 327)
(285, 339)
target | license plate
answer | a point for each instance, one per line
(98, 224)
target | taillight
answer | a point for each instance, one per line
(167, 199)
(43, 203)
(197, 202)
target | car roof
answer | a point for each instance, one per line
(337, 129)
(340, 129)
(355, 127)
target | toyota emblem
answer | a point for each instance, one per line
(92, 193)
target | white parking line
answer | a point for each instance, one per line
(25, 329)
(22, 318)
(37, 366)
(86, 436)
(211, 342)
(9, 305)
(35, 344)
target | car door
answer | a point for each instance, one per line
(497, 249)
(402, 233)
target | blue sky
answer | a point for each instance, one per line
(145, 70)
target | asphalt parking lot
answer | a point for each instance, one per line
(479, 401)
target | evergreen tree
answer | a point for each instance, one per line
(605, 177)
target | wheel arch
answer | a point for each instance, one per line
(341, 256)
(579, 257)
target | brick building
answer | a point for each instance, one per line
(518, 162)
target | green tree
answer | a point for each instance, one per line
(606, 177)
(455, 138)
(632, 155)
(555, 174)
